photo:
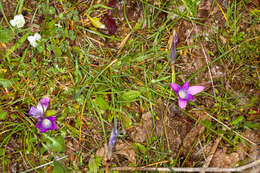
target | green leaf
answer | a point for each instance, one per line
(102, 104)
(56, 144)
(93, 167)
(237, 120)
(5, 83)
(59, 168)
(6, 35)
(57, 51)
(51, 113)
(130, 96)
(3, 114)
(17, 45)
(139, 147)
(252, 125)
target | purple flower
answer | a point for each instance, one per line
(41, 108)
(112, 139)
(110, 24)
(44, 123)
(185, 92)
(174, 45)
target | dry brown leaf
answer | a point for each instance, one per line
(143, 131)
(194, 132)
(126, 150)
(102, 152)
(223, 160)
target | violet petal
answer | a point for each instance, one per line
(113, 136)
(195, 89)
(53, 125)
(42, 128)
(190, 97)
(43, 104)
(182, 103)
(175, 87)
(174, 45)
(185, 86)
(39, 124)
(36, 113)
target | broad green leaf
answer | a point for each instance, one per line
(56, 144)
(3, 114)
(102, 104)
(93, 167)
(237, 120)
(59, 168)
(17, 45)
(5, 83)
(51, 113)
(139, 147)
(57, 51)
(252, 125)
(6, 35)
(130, 96)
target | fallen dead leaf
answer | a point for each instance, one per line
(125, 150)
(194, 132)
(223, 160)
(142, 132)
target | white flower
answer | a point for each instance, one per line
(18, 21)
(33, 39)
(58, 25)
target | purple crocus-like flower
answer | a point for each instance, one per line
(44, 123)
(112, 141)
(185, 92)
(174, 45)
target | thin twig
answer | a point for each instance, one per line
(37, 167)
(211, 154)
(238, 169)
(232, 130)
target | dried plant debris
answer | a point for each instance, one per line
(143, 131)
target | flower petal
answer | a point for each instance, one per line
(41, 127)
(36, 113)
(185, 86)
(43, 130)
(43, 104)
(174, 45)
(195, 89)
(52, 119)
(37, 36)
(175, 87)
(190, 97)
(53, 125)
(12, 22)
(182, 103)
(39, 124)
(113, 136)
